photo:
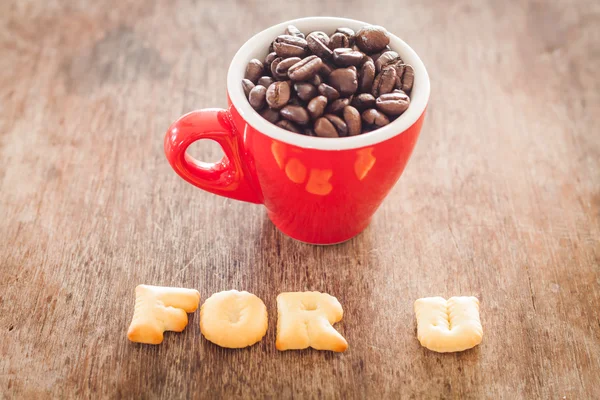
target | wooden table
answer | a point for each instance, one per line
(501, 200)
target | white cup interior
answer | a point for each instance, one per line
(257, 47)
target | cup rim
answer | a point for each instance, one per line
(256, 47)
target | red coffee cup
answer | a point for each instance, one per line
(316, 190)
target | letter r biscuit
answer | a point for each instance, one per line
(305, 320)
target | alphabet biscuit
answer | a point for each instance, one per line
(305, 320)
(159, 309)
(233, 319)
(448, 325)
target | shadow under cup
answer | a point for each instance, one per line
(316, 190)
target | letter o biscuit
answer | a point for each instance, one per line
(233, 319)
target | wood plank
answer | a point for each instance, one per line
(501, 200)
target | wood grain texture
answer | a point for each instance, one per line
(501, 200)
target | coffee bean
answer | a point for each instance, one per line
(257, 97)
(348, 32)
(247, 85)
(316, 107)
(394, 103)
(286, 50)
(399, 67)
(374, 117)
(363, 101)
(329, 92)
(318, 45)
(345, 57)
(305, 69)
(315, 80)
(338, 105)
(270, 115)
(293, 31)
(288, 125)
(291, 40)
(278, 94)
(269, 59)
(305, 91)
(338, 40)
(389, 57)
(366, 59)
(353, 120)
(378, 54)
(265, 81)
(296, 114)
(274, 66)
(384, 82)
(330, 86)
(285, 65)
(344, 80)
(326, 69)
(322, 36)
(290, 46)
(375, 56)
(338, 123)
(371, 39)
(366, 76)
(254, 70)
(324, 128)
(408, 78)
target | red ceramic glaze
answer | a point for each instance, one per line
(316, 190)
(230, 176)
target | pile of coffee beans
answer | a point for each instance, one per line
(341, 85)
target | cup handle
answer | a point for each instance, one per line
(227, 177)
